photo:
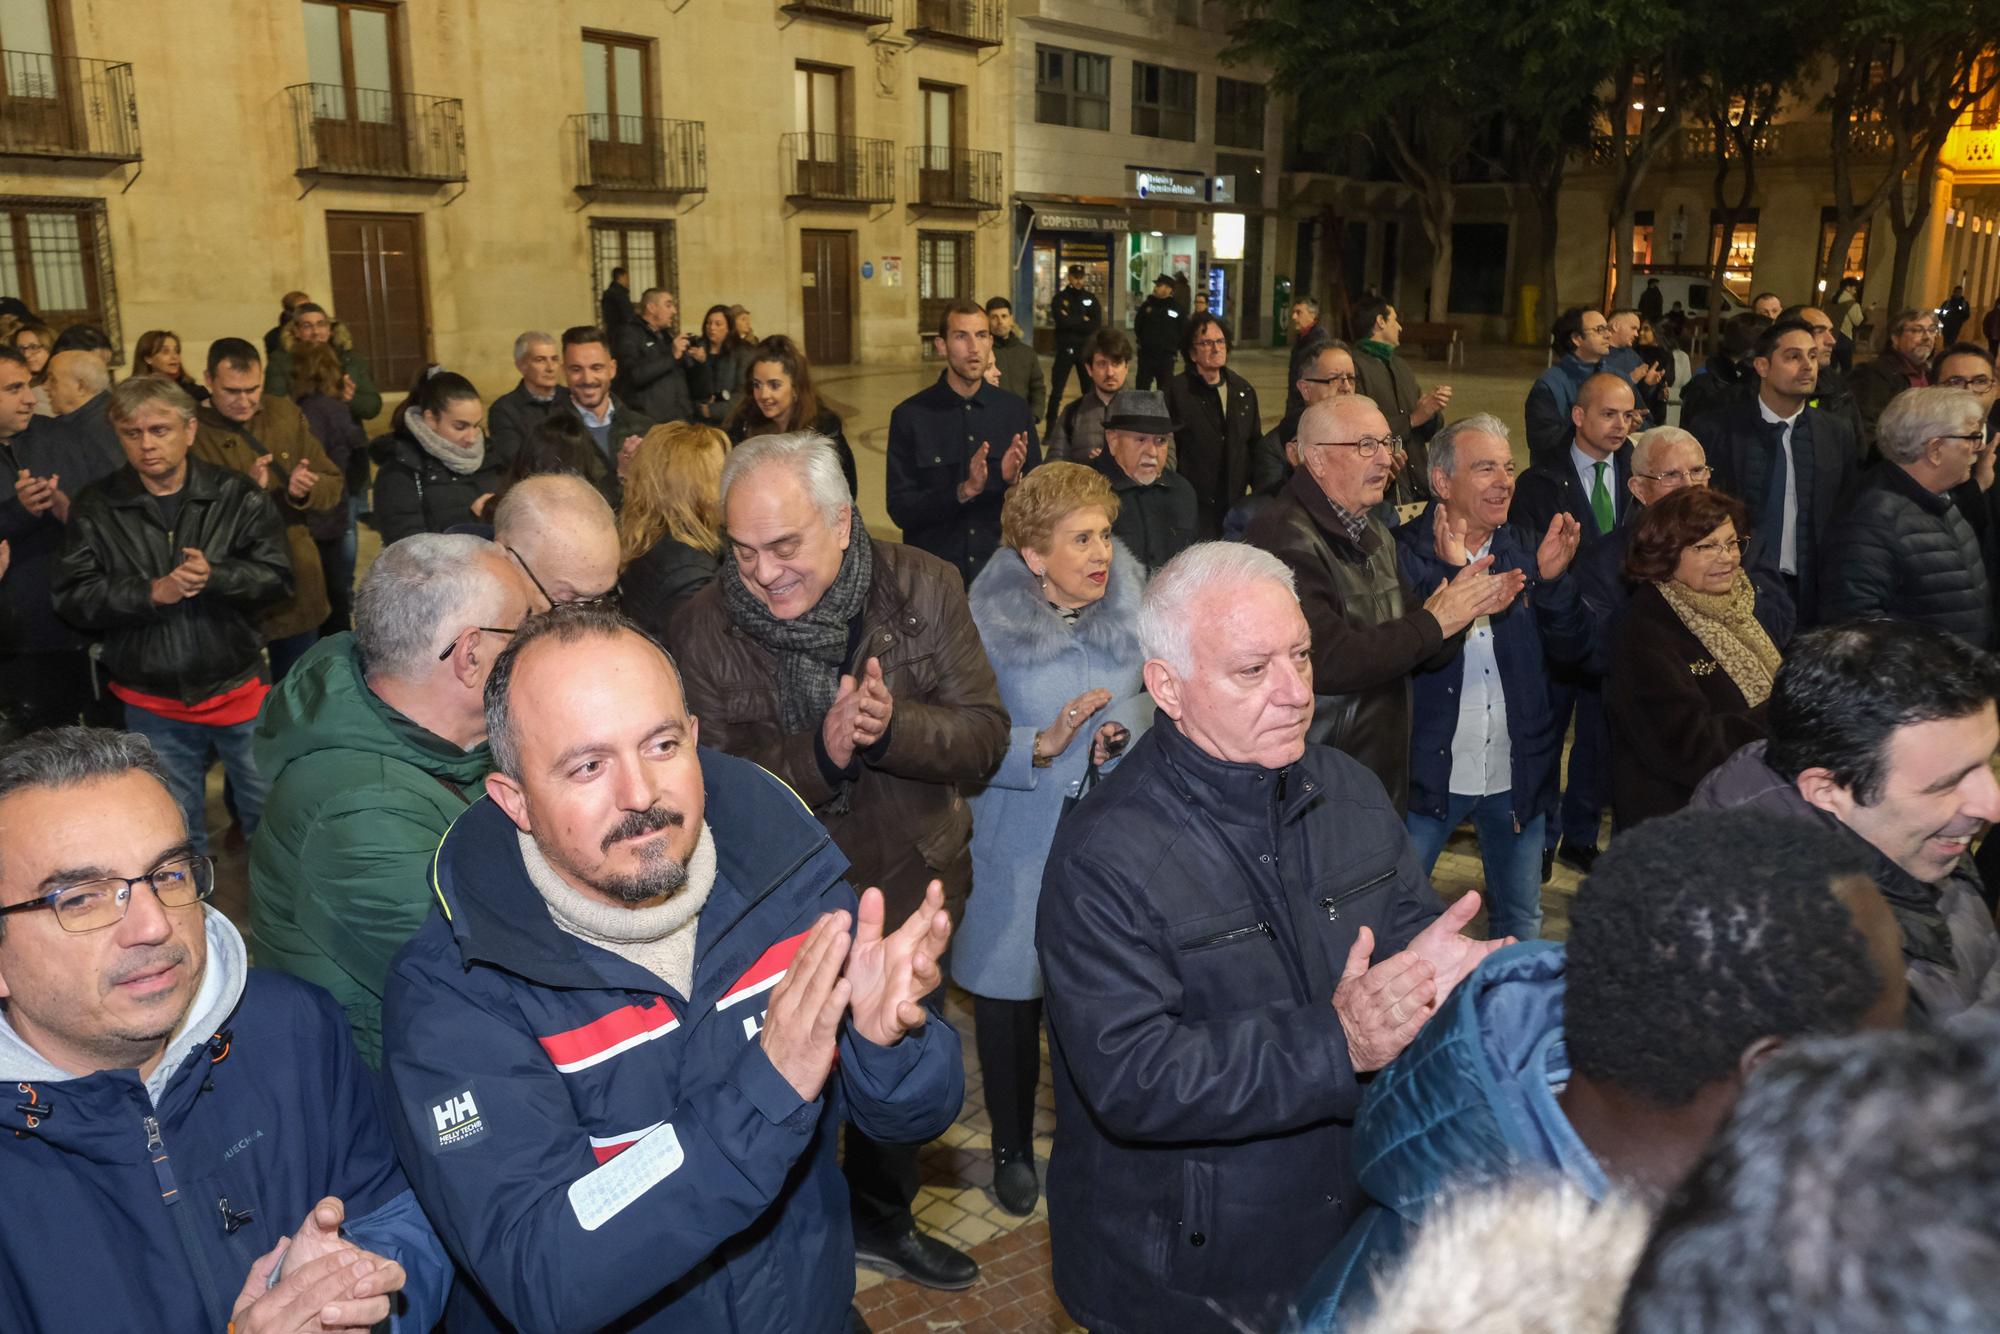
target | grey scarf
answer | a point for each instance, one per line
(461, 459)
(812, 649)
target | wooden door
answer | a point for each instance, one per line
(33, 78)
(827, 275)
(941, 178)
(377, 268)
(617, 101)
(357, 109)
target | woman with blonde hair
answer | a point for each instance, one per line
(670, 526)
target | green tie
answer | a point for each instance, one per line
(1600, 498)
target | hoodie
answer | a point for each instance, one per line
(1470, 1103)
(169, 1188)
(360, 798)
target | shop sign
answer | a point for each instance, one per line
(1168, 184)
(1081, 222)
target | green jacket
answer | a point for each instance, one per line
(364, 407)
(360, 799)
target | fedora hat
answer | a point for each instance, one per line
(1141, 410)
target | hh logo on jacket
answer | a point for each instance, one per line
(457, 1119)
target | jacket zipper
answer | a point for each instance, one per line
(1224, 937)
(1332, 902)
(183, 1222)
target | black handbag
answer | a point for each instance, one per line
(1083, 787)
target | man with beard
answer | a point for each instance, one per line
(1886, 729)
(1904, 363)
(620, 1050)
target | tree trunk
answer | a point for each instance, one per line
(1908, 226)
(1439, 206)
(1548, 208)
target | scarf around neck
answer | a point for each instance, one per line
(461, 459)
(1376, 348)
(1726, 625)
(660, 938)
(810, 649)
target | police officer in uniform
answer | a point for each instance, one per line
(1077, 315)
(1159, 326)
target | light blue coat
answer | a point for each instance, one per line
(1041, 663)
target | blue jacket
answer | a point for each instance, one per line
(933, 435)
(1194, 920)
(1546, 624)
(1549, 427)
(142, 1204)
(1040, 663)
(598, 1150)
(1470, 1102)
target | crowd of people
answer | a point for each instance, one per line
(611, 837)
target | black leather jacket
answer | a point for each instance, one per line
(116, 546)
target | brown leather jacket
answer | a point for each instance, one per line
(281, 429)
(1369, 629)
(906, 823)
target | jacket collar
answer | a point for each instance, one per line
(943, 395)
(1897, 479)
(123, 489)
(497, 916)
(1232, 793)
(1019, 627)
(1306, 491)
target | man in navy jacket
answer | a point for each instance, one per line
(1232, 930)
(190, 1142)
(613, 1049)
(956, 447)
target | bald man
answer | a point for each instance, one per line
(1370, 629)
(560, 530)
(1590, 481)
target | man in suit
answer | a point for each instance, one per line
(1590, 482)
(1789, 462)
(1217, 410)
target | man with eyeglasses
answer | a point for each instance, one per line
(1579, 342)
(1789, 462)
(1664, 460)
(374, 745)
(170, 562)
(561, 532)
(1969, 366)
(1904, 363)
(311, 324)
(1902, 549)
(1219, 425)
(1370, 628)
(1325, 370)
(191, 1143)
(1156, 506)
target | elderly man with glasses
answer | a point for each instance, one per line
(1370, 629)
(1323, 370)
(374, 744)
(1904, 363)
(560, 531)
(192, 1143)
(1902, 549)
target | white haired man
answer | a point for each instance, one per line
(1233, 930)
(513, 415)
(851, 668)
(374, 744)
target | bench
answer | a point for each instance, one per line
(1440, 342)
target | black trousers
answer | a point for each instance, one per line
(1154, 368)
(882, 1178)
(1068, 358)
(1008, 1034)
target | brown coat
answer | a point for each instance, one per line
(907, 822)
(280, 428)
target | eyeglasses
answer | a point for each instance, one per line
(1329, 379)
(1918, 329)
(1596, 328)
(1978, 384)
(1211, 342)
(1366, 446)
(1977, 437)
(609, 598)
(1735, 546)
(483, 629)
(1679, 476)
(96, 904)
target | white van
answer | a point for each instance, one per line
(1691, 290)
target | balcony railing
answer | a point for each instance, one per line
(67, 107)
(642, 154)
(868, 13)
(971, 22)
(954, 178)
(371, 132)
(839, 168)
(1787, 142)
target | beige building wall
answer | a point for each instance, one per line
(214, 225)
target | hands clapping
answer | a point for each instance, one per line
(1381, 1006)
(184, 580)
(860, 715)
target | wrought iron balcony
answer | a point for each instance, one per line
(838, 168)
(640, 154)
(969, 22)
(68, 107)
(370, 132)
(955, 178)
(868, 13)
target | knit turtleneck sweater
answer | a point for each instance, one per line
(659, 939)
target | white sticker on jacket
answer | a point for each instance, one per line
(599, 1196)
